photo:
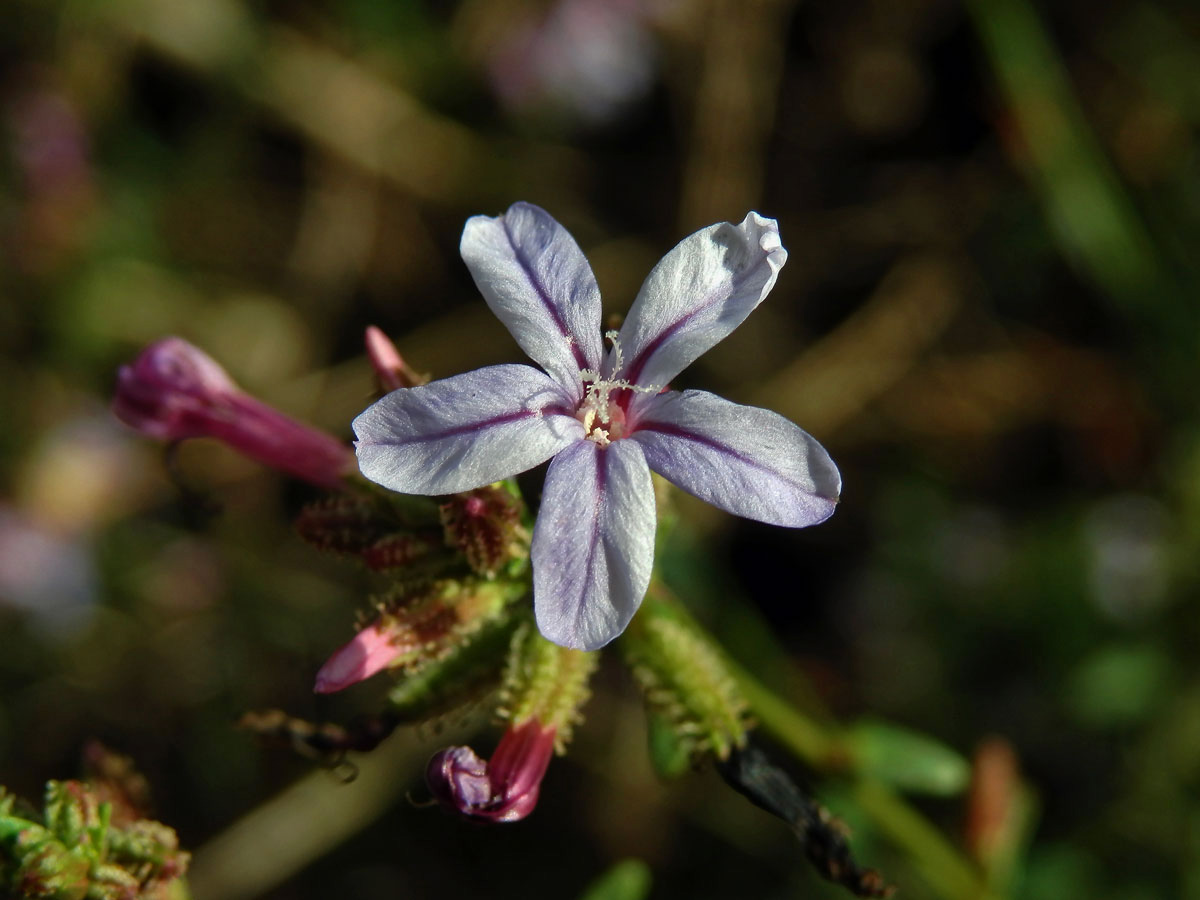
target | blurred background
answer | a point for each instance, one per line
(989, 317)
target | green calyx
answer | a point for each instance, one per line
(435, 621)
(695, 706)
(546, 682)
(463, 673)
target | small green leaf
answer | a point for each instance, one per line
(627, 880)
(906, 759)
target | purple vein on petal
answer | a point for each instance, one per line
(594, 543)
(633, 369)
(677, 432)
(551, 310)
(503, 419)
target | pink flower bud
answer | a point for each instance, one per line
(418, 624)
(503, 789)
(174, 391)
(371, 651)
(390, 368)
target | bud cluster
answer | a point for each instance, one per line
(372, 529)
(485, 525)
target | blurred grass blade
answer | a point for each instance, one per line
(1090, 213)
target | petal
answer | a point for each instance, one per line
(749, 461)
(593, 544)
(696, 295)
(464, 432)
(539, 284)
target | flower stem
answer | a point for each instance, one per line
(804, 736)
(943, 867)
(950, 875)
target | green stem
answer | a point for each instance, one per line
(303, 822)
(943, 867)
(947, 872)
(809, 740)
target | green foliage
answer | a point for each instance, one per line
(687, 687)
(905, 759)
(627, 880)
(77, 852)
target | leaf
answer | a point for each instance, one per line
(906, 759)
(627, 880)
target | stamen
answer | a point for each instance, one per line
(613, 338)
(594, 408)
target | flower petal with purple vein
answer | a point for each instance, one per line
(593, 544)
(463, 432)
(539, 284)
(697, 294)
(749, 461)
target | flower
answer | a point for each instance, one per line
(588, 59)
(605, 418)
(174, 391)
(502, 789)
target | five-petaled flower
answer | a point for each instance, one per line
(606, 418)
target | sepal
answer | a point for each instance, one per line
(686, 685)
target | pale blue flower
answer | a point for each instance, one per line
(605, 417)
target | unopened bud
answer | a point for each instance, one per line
(372, 650)
(390, 368)
(416, 627)
(485, 524)
(174, 391)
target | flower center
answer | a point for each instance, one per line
(603, 417)
(603, 420)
